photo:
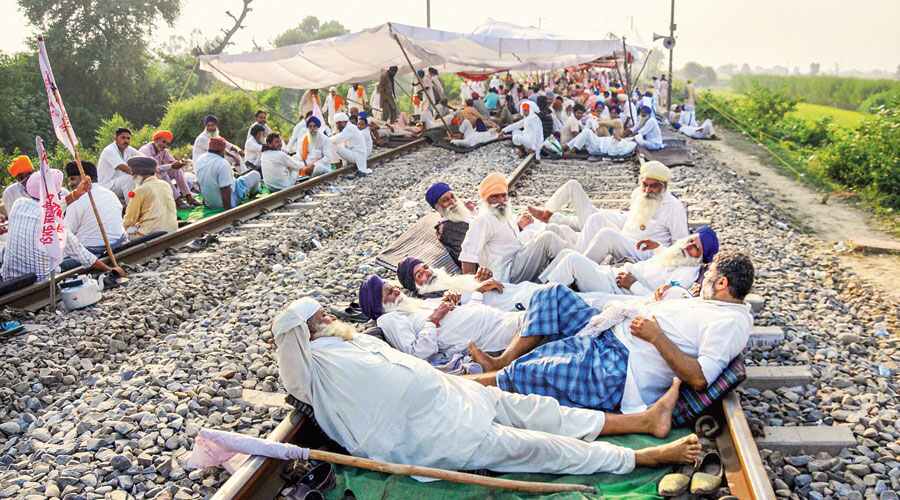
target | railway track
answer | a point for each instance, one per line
(36, 296)
(260, 477)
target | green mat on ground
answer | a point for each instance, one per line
(640, 484)
(201, 212)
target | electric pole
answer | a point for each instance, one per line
(428, 13)
(671, 47)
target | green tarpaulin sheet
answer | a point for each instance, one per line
(640, 484)
(197, 213)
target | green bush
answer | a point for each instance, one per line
(234, 109)
(884, 99)
(106, 132)
(868, 158)
(840, 92)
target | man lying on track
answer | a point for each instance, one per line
(436, 329)
(654, 218)
(382, 404)
(628, 365)
(678, 264)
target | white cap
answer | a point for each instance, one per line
(341, 117)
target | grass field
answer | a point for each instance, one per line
(813, 112)
(842, 117)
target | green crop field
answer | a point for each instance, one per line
(842, 117)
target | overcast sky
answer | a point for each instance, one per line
(855, 35)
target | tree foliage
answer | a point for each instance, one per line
(308, 30)
(98, 49)
(703, 75)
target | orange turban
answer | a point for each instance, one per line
(526, 106)
(494, 183)
(20, 165)
(163, 134)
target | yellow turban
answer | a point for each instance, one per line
(494, 183)
(20, 165)
(655, 170)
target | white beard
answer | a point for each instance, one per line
(406, 304)
(505, 214)
(642, 209)
(337, 329)
(456, 213)
(441, 281)
(674, 256)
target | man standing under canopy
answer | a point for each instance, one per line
(387, 94)
(310, 101)
(382, 404)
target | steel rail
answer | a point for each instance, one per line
(260, 477)
(35, 296)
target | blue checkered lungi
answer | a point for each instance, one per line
(582, 372)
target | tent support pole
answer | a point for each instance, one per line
(427, 96)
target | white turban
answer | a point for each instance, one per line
(292, 338)
(341, 117)
(655, 170)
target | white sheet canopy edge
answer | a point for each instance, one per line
(362, 56)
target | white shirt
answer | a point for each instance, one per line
(650, 276)
(201, 146)
(252, 150)
(12, 193)
(279, 170)
(490, 329)
(293, 145)
(81, 222)
(650, 131)
(489, 242)
(367, 135)
(513, 296)
(109, 159)
(317, 148)
(265, 125)
(352, 137)
(668, 224)
(570, 129)
(712, 331)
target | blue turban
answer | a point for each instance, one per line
(210, 118)
(435, 192)
(370, 297)
(676, 125)
(480, 126)
(405, 272)
(646, 109)
(313, 119)
(363, 115)
(710, 243)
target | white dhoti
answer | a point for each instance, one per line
(528, 262)
(535, 434)
(603, 237)
(601, 146)
(121, 185)
(704, 131)
(357, 158)
(571, 194)
(572, 268)
(472, 137)
(526, 140)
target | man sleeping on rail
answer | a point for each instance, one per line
(380, 403)
(623, 359)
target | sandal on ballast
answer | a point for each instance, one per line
(676, 483)
(708, 477)
(707, 426)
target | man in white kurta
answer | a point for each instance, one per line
(471, 136)
(436, 329)
(382, 404)
(527, 133)
(201, 143)
(262, 119)
(704, 131)
(493, 238)
(112, 168)
(279, 170)
(628, 359)
(648, 134)
(595, 145)
(350, 144)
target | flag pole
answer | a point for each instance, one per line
(109, 251)
(53, 268)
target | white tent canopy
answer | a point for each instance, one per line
(362, 56)
(508, 30)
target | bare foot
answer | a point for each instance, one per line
(539, 214)
(683, 451)
(487, 363)
(659, 416)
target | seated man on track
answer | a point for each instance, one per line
(382, 404)
(437, 329)
(677, 265)
(654, 218)
(648, 133)
(629, 363)
(704, 131)
(455, 217)
(493, 239)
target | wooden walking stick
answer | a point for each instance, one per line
(448, 475)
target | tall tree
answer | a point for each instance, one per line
(98, 49)
(308, 30)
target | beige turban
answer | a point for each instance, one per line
(494, 183)
(655, 170)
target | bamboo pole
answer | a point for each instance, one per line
(447, 475)
(427, 96)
